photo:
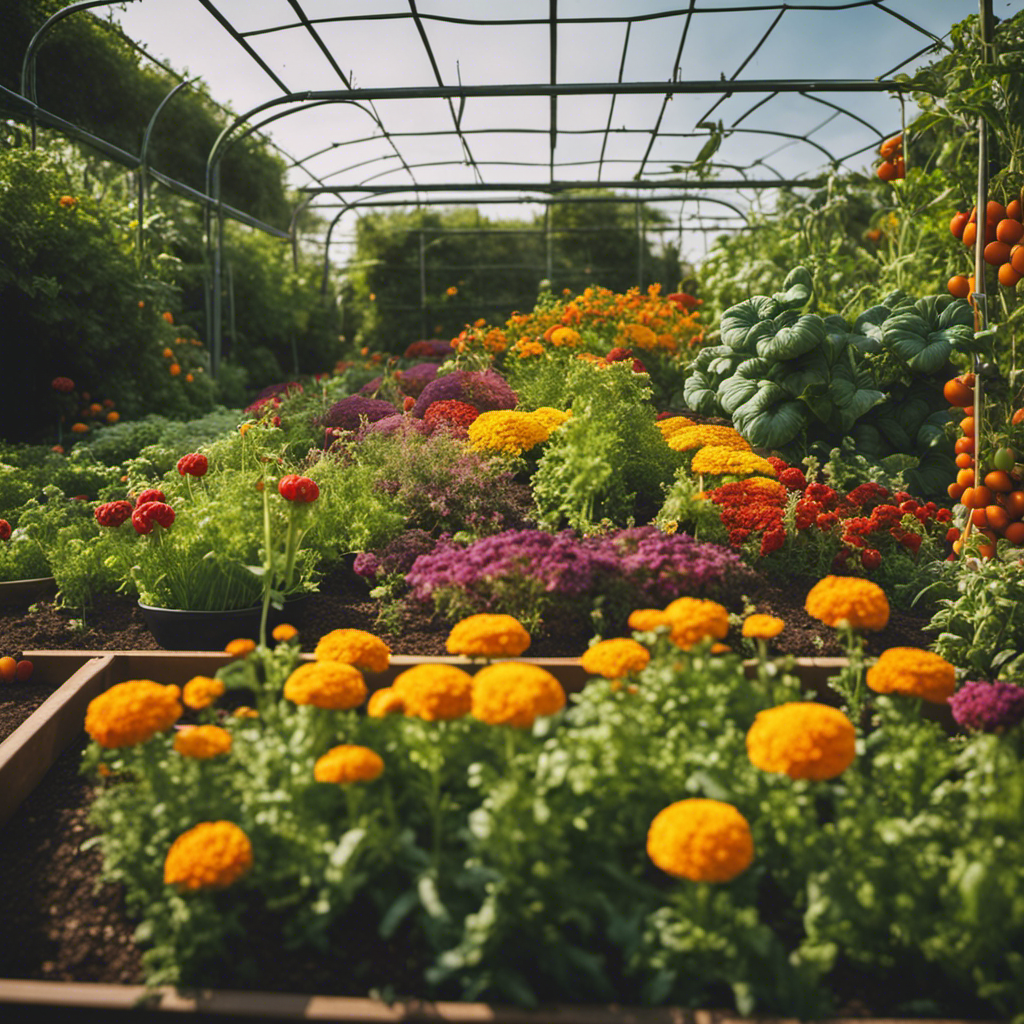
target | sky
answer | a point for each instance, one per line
(340, 144)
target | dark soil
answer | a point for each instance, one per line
(58, 925)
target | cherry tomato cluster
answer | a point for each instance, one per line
(892, 167)
(996, 504)
(1004, 232)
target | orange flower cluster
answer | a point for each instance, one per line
(701, 840)
(213, 855)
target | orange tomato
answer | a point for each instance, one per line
(970, 235)
(996, 253)
(998, 480)
(1013, 210)
(976, 497)
(995, 211)
(886, 171)
(954, 491)
(891, 146)
(957, 224)
(1017, 258)
(964, 461)
(965, 478)
(1017, 417)
(1014, 533)
(956, 391)
(987, 550)
(979, 517)
(967, 426)
(1009, 231)
(8, 667)
(1014, 504)
(1008, 277)
(959, 287)
(997, 518)
(964, 444)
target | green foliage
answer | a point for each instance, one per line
(608, 462)
(26, 470)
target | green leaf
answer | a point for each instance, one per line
(745, 323)
(770, 419)
(797, 289)
(806, 334)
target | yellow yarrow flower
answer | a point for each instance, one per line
(913, 673)
(132, 712)
(671, 426)
(488, 636)
(551, 418)
(516, 694)
(702, 840)
(615, 658)
(331, 685)
(685, 439)
(434, 692)
(348, 763)
(692, 619)
(804, 740)
(202, 741)
(213, 855)
(354, 647)
(721, 460)
(848, 602)
(201, 691)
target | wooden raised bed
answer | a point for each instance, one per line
(29, 752)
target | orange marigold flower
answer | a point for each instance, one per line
(354, 647)
(702, 840)
(642, 619)
(804, 740)
(168, 317)
(113, 417)
(384, 702)
(213, 855)
(637, 335)
(174, 369)
(488, 636)
(614, 658)
(762, 627)
(201, 691)
(331, 685)
(434, 692)
(284, 632)
(189, 378)
(913, 673)
(67, 202)
(240, 648)
(244, 711)
(847, 601)
(565, 337)
(132, 712)
(692, 619)
(516, 694)
(202, 742)
(348, 763)
(79, 428)
(671, 425)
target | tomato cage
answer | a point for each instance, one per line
(534, 104)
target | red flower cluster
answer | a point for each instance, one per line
(152, 513)
(298, 489)
(5, 530)
(65, 385)
(113, 513)
(450, 411)
(152, 494)
(194, 464)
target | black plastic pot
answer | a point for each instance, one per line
(24, 592)
(176, 629)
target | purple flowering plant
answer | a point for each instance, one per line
(988, 707)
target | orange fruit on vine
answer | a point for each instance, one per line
(957, 224)
(1014, 504)
(964, 444)
(957, 391)
(995, 212)
(964, 461)
(955, 491)
(891, 146)
(979, 518)
(1008, 277)
(1009, 231)
(998, 480)
(996, 253)
(1017, 417)
(965, 478)
(970, 235)
(967, 426)
(997, 518)
(887, 171)
(1014, 533)
(959, 287)
(1013, 210)
(8, 667)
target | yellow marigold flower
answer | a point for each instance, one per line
(201, 691)
(244, 711)
(847, 601)
(614, 658)
(434, 692)
(132, 712)
(488, 636)
(550, 417)
(685, 439)
(721, 460)
(804, 740)
(348, 763)
(384, 702)
(202, 742)
(213, 855)
(565, 337)
(702, 840)
(762, 627)
(284, 632)
(513, 693)
(642, 619)
(913, 673)
(692, 619)
(354, 647)
(331, 685)
(240, 648)
(670, 527)
(671, 425)
(638, 336)
(507, 430)
(67, 202)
